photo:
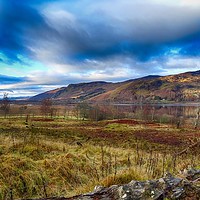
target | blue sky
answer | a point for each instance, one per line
(45, 44)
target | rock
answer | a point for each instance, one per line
(168, 187)
(192, 174)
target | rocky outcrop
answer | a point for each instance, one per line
(184, 187)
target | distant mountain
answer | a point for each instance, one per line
(77, 92)
(174, 88)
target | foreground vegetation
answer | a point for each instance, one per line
(43, 157)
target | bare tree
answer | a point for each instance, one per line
(5, 104)
(22, 110)
(76, 112)
(46, 107)
(83, 108)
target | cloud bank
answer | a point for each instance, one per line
(96, 40)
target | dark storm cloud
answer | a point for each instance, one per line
(96, 31)
(20, 23)
(191, 45)
(69, 41)
(133, 29)
(11, 79)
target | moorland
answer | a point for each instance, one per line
(43, 155)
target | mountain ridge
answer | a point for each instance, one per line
(153, 88)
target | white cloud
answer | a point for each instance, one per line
(108, 40)
(54, 15)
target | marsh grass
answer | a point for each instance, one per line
(59, 157)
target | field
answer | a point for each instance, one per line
(45, 157)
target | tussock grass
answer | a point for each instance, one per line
(67, 157)
(125, 176)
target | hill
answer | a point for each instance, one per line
(78, 92)
(173, 88)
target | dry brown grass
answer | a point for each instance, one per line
(66, 157)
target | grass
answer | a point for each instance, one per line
(64, 157)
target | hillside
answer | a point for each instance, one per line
(174, 88)
(78, 92)
(179, 88)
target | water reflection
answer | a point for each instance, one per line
(166, 113)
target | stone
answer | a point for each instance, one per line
(167, 187)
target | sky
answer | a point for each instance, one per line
(46, 44)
